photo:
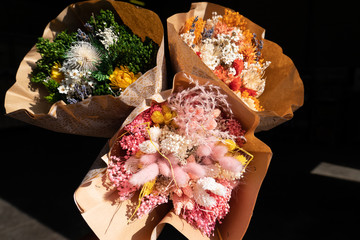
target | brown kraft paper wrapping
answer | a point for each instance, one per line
(284, 90)
(95, 199)
(98, 116)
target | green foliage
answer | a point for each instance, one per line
(129, 50)
(102, 89)
(132, 52)
(105, 19)
(51, 52)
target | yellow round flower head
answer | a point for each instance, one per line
(56, 74)
(121, 78)
(157, 117)
(168, 117)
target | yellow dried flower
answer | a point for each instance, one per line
(56, 74)
(121, 78)
(165, 109)
(168, 117)
(157, 117)
(231, 145)
(241, 158)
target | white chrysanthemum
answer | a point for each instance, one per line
(82, 56)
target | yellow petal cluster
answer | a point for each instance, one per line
(230, 144)
(56, 74)
(121, 78)
(164, 117)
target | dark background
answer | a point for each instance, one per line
(40, 169)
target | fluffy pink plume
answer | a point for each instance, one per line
(195, 170)
(181, 177)
(231, 164)
(164, 167)
(219, 151)
(145, 175)
(203, 151)
(147, 159)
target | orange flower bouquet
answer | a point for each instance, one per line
(221, 44)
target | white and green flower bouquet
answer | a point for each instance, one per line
(95, 62)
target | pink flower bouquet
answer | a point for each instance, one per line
(190, 152)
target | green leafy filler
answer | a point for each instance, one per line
(127, 50)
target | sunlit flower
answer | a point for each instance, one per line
(62, 89)
(56, 74)
(121, 78)
(82, 56)
(107, 37)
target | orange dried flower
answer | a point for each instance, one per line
(248, 51)
(233, 19)
(198, 28)
(256, 101)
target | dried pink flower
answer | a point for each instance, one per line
(149, 202)
(204, 218)
(119, 176)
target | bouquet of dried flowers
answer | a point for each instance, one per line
(186, 157)
(231, 51)
(214, 42)
(104, 57)
(187, 149)
(95, 62)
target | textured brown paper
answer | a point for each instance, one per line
(94, 197)
(98, 116)
(284, 90)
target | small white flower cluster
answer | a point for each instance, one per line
(219, 50)
(81, 60)
(171, 142)
(107, 37)
(167, 142)
(151, 146)
(188, 38)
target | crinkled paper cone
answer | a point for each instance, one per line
(95, 199)
(284, 90)
(98, 116)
